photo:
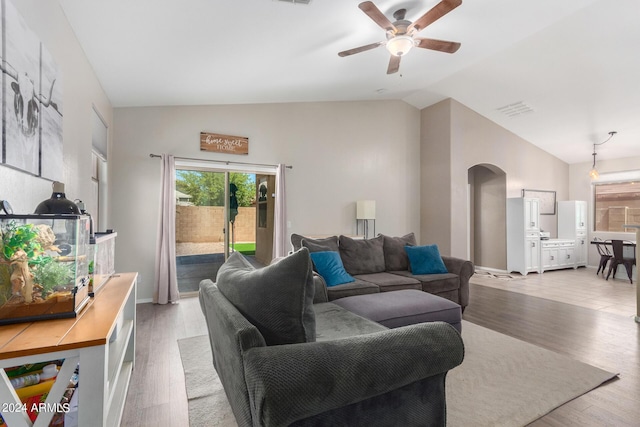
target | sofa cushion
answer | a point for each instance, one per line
(391, 282)
(329, 266)
(434, 283)
(395, 257)
(328, 243)
(362, 256)
(425, 259)
(277, 299)
(334, 322)
(406, 307)
(359, 287)
(320, 245)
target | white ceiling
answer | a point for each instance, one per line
(576, 63)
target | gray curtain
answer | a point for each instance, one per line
(166, 280)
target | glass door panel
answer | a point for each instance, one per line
(215, 215)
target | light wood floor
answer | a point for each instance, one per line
(589, 333)
(579, 287)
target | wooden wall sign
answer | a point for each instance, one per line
(223, 143)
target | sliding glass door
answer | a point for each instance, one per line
(215, 215)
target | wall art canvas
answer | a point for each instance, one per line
(32, 102)
(51, 162)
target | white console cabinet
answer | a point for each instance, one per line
(101, 339)
(572, 224)
(558, 253)
(523, 235)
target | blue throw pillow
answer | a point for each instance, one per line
(329, 266)
(425, 259)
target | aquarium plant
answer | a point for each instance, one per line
(50, 273)
(21, 248)
(20, 237)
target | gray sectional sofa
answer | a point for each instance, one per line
(381, 264)
(288, 357)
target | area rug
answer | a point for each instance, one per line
(502, 382)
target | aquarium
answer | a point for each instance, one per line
(102, 266)
(44, 266)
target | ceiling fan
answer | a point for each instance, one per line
(401, 34)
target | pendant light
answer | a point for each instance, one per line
(594, 172)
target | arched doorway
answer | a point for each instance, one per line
(487, 216)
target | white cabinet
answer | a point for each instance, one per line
(532, 253)
(581, 250)
(572, 224)
(101, 339)
(523, 235)
(558, 253)
(531, 215)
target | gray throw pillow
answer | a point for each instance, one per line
(395, 257)
(362, 256)
(331, 242)
(277, 299)
(321, 245)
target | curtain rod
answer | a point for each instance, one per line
(227, 162)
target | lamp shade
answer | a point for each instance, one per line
(400, 45)
(58, 203)
(366, 209)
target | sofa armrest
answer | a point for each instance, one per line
(293, 382)
(464, 269)
(457, 266)
(320, 286)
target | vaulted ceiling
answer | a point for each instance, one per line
(566, 70)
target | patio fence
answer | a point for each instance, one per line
(199, 224)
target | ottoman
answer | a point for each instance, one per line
(405, 307)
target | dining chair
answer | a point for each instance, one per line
(618, 258)
(605, 254)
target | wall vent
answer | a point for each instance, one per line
(297, 1)
(515, 109)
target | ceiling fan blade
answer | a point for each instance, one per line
(437, 12)
(439, 45)
(378, 17)
(394, 64)
(360, 49)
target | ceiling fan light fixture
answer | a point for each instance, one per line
(400, 45)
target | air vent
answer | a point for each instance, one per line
(515, 109)
(297, 1)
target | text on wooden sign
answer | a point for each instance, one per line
(223, 143)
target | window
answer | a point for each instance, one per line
(97, 206)
(616, 204)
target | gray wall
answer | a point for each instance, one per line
(461, 138)
(341, 152)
